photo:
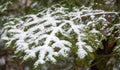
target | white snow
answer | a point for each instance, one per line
(94, 31)
(2, 61)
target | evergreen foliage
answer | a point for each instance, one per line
(50, 29)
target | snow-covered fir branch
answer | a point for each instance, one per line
(52, 32)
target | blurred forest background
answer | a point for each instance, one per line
(18, 8)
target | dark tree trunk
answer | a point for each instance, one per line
(103, 56)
